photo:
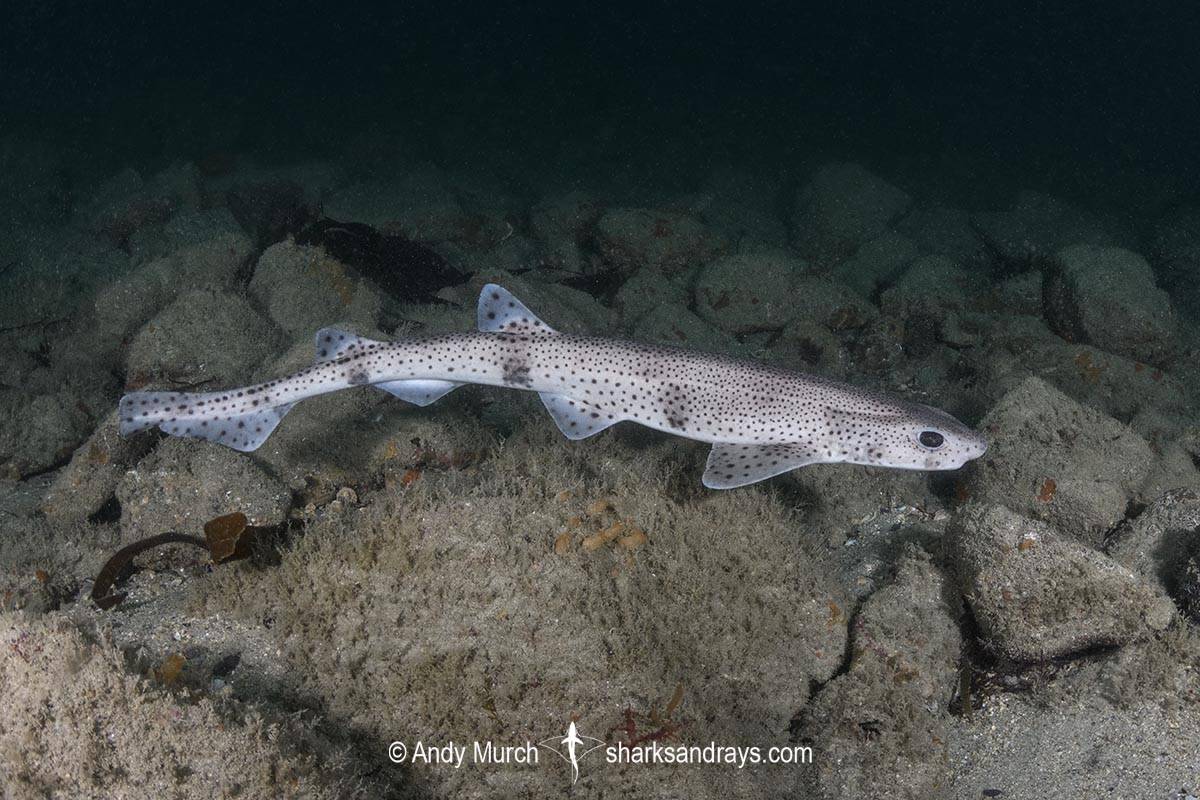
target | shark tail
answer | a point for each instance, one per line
(183, 414)
(228, 417)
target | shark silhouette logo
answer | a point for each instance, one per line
(572, 748)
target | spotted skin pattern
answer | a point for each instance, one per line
(761, 420)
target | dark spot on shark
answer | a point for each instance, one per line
(516, 373)
(358, 377)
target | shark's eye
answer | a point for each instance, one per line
(931, 439)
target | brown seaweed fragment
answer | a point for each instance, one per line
(226, 538)
(112, 568)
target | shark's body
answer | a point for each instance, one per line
(761, 420)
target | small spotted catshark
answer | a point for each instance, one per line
(760, 420)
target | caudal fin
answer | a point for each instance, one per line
(182, 414)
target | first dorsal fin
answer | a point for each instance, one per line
(500, 312)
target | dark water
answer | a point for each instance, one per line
(1076, 98)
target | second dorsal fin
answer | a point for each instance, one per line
(333, 343)
(500, 312)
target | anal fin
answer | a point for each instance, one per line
(419, 392)
(577, 419)
(733, 465)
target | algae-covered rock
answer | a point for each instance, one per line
(1038, 226)
(840, 209)
(926, 298)
(202, 336)
(749, 292)
(420, 202)
(39, 430)
(646, 290)
(561, 307)
(880, 727)
(362, 436)
(562, 584)
(808, 346)
(668, 241)
(1037, 594)
(186, 229)
(1053, 459)
(831, 304)
(1158, 542)
(675, 325)
(561, 222)
(303, 289)
(183, 484)
(90, 480)
(1106, 296)
(121, 308)
(1175, 253)
(940, 230)
(1015, 348)
(876, 263)
(75, 718)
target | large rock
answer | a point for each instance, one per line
(1106, 296)
(126, 203)
(183, 484)
(202, 336)
(1015, 348)
(77, 717)
(876, 263)
(360, 437)
(303, 288)
(808, 346)
(830, 304)
(561, 223)
(419, 204)
(929, 291)
(880, 726)
(183, 230)
(120, 309)
(59, 270)
(561, 307)
(944, 231)
(1053, 459)
(504, 592)
(1175, 253)
(1037, 594)
(749, 292)
(90, 480)
(267, 209)
(1036, 228)
(38, 431)
(743, 207)
(841, 208)
(1157, 543)
(646, 290)
(675, 325)
(631, 238)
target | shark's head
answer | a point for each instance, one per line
(916, 436)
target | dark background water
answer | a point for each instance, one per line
(1079, 96)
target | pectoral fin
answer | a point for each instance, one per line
(733, 465)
